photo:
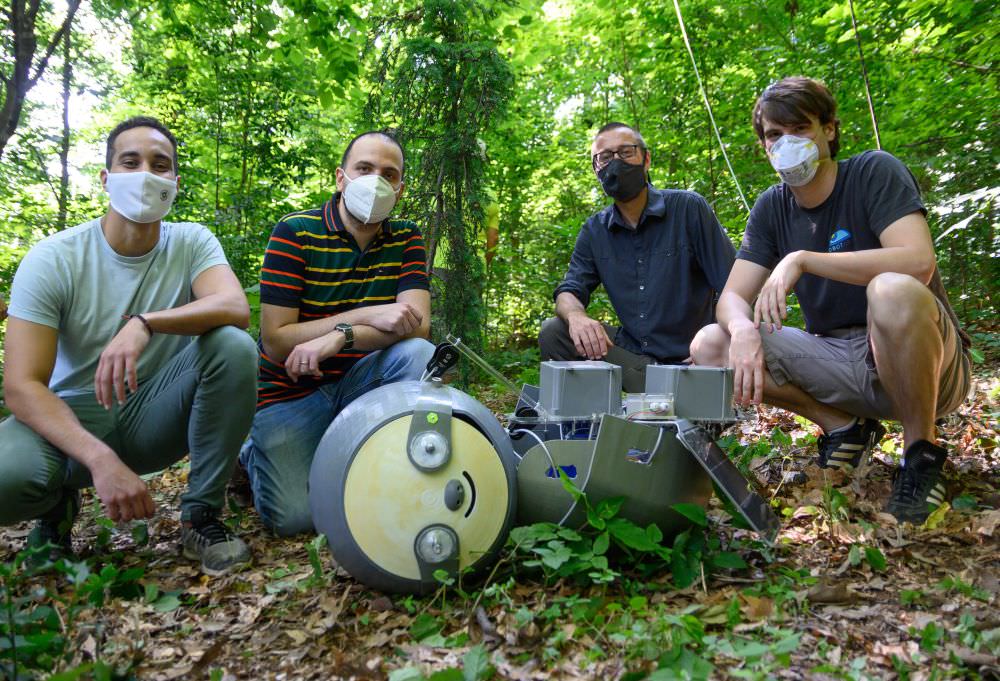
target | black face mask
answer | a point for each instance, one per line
(622, 181)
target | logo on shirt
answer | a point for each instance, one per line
(839, 240)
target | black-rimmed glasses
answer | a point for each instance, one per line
(626, 152)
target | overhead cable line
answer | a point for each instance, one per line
(708, 106)
(864, 72)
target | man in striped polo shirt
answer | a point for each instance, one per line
(345, 308)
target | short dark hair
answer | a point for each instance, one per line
(792, 101)
(616, 124)
(138, 122)
(388, 135)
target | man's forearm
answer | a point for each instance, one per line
(567, 305)
(44, 412)
(201, 315)
(860, 267)
(369, 338)
(281, 342)
(732, 311)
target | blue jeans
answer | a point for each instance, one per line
(284, 435)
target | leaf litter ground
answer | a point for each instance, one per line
(846, 593)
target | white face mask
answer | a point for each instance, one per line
(795, 159)
(140, 196)
(369, 198)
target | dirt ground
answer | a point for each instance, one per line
(846, 593)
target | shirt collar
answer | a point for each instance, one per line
(333, 222)
(655, 205)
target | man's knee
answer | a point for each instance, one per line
(287, 520)
(553, 336)
(409, 359)
(29, 480)
(898, 301)
(710, 346)
(230, 342)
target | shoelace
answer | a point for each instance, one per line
(214, 531)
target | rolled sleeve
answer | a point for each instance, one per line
(759, 244)
(582, 277)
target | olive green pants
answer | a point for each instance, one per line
(201, 401)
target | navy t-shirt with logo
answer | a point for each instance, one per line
(872, 191)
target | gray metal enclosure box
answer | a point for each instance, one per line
(580, 388)
(700, 393)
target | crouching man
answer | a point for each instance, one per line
(661, 255)
(881, 341)
(124, 352)
(345, 308)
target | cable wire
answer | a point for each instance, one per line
(864, 72)
(708, 106)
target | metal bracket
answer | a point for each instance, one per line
(754, 509)
(429, 439)
(436, 548)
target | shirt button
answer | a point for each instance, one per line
(640, 261)
(642, 315)
(645, 343)
(642, 288)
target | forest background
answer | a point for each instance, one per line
(496, 102)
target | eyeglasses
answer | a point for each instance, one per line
(626, 153)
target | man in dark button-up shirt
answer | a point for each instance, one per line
(662, 256)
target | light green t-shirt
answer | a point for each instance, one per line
(76, 283)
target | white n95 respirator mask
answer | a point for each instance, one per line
(369, 198)
(140, 196)
(795, 159)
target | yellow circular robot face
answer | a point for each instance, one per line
(388, 501)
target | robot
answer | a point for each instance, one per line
(416, 481)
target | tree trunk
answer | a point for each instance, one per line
(21, 24)
(67, 82)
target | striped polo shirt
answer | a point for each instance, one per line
(313, 263)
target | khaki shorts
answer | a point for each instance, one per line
(838, 369)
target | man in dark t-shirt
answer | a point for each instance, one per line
(881, 341)
(661, 255)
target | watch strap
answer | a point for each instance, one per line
(348, 332)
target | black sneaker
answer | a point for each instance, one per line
(918, 487)
(55, 531)
(851, 446)
(204, 537)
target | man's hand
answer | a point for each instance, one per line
(746, 357)
(771, 306)
(118, 362)
(122, 492)
(589, 336)
(305, 357)
(397, 318)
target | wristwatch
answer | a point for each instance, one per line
(348, 332)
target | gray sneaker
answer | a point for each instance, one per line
(204, 537)
(52, 536)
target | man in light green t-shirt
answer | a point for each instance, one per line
(122, 355)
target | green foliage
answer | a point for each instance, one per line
(583, 554)
(440, 82)
(41, 621)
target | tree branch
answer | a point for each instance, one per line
(56, 39)
(954, 62)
